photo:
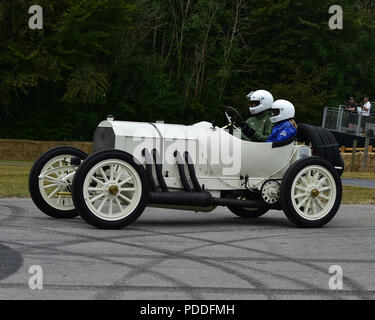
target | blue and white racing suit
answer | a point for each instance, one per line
(282, 131)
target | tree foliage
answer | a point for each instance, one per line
(179, 61)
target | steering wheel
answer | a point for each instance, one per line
(234, 117)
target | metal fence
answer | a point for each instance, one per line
(341, 120)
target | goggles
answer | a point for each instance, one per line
(275, 112)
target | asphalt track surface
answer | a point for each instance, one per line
(183, 255)
(364, 183)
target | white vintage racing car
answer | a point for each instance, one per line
(197, 167)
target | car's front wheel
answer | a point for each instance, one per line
(110, 190)
(311, 192)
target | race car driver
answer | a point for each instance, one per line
(282, 114)
(258, 127)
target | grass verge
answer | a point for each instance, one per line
(17, 162)
(13, 181)
(359, 175)
(358, 195)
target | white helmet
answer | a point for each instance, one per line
(260, 100)
(282, 110)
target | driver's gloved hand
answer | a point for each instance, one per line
(247, 130)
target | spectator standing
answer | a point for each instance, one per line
(351, 106)
(365, 110)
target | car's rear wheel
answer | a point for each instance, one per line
(110, 190)
(50, 181)
(323, 144)
(311, 192)
(249, 213)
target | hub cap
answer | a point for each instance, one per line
(313, 192)
(112, 189)
(55, 182)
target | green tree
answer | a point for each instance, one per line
(179, 61)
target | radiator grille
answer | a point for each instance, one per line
(104, 138)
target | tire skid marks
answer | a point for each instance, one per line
(171, 254)
(168, 254)
(201, 260)
(258, 284)
(184, 256)
(219, 265)
(225, 258)
(140, 269)
(352, 283)
(146, 267)
(181, 254)
(202, 290)
(308, 286)
(173, 281)
(15, 213)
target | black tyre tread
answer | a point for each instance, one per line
(319, 137)
(34, 181)
(246, 213)
(336, 150)
(337, 158)
(306, 133)
(333, 153)
(309, 134)
(327, 152)
(77, 189)
(287, 182)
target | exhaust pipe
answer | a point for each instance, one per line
(159, 171)
(199, 199)
(150, 176)
(192, 174)
(181, 171)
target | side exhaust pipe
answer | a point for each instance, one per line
(159, 171)
(199, 199)
(192, 174)
(181, 171)
(150, 176)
